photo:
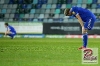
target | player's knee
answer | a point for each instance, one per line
(84, 31)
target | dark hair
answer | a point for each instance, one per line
(66, 11)
(6, 24)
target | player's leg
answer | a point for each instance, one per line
(11, 34)
(85, 37)
(87, 26)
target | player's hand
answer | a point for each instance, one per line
(84, 30)
(5, 35)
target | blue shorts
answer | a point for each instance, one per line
(89, 24)
(12, 35)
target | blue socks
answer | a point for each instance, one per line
(85, 40)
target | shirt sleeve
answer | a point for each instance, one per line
(8, 29)
(75, 10)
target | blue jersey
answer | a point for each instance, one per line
(85, 14)
(11, 29)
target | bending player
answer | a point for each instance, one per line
(10, 31)
(86, 19)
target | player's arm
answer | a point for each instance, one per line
(7, 32)
(74, 11)
(80, 20)
(81, 23)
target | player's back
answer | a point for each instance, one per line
(84, 13)
(11, 29)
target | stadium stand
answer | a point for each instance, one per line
(43, 10)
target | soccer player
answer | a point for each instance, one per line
(10, 31)
(86, 19)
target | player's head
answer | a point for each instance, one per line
(6, 24)
(67, 12)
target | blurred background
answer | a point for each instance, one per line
(37, 21)
(45, 18)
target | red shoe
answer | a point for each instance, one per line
(82, 48)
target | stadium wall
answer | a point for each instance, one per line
(49, 30)
(68, 28)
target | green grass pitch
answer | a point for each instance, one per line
(43, 52)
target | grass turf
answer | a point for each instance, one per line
(43, 52)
